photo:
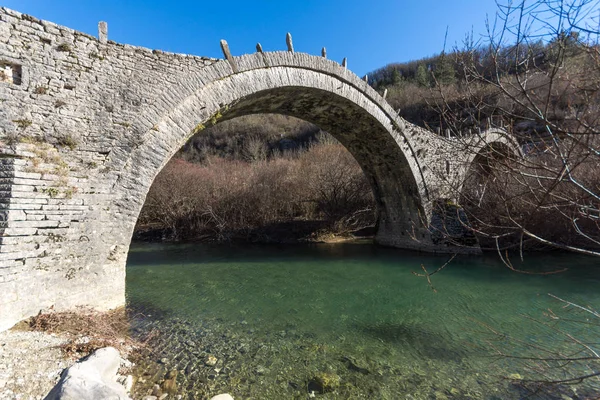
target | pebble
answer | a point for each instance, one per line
(260, 370)
(211, 361)
(156, 390)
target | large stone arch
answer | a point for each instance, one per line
(337, 105)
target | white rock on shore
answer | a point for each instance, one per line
(93, 378)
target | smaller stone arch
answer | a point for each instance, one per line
(497, 140)
(454, 164)
(492, 144)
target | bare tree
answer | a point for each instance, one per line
(537, 74)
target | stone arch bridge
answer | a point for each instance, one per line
(86, 124)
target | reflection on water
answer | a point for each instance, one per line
(348, 320)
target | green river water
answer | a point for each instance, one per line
(352, 321)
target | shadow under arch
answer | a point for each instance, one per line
(371, 132)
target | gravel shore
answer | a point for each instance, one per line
(30, 364)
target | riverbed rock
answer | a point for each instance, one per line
(260, 370)
(211, 361)
(169, 385)
(440, 395)
(324, 382)
(156, 390)
(93, 378)
(224, 396)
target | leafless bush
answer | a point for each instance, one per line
(221, 198)
(338, 188)
(249, 138)
(255, 149)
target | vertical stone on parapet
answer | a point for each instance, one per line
(345, 62)
(366, 78)
(228, 56)
(324, 52)
(102, 32)
(288, 41)
(384, 94)
(264, 57)
(448, 133)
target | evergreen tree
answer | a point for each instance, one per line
(444, 70)
(422, 76)
(396, 77)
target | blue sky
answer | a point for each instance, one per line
(370, 33)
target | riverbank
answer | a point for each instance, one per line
(291, 232)
(30, 363)
(35, 352)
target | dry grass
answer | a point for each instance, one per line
(87, 330)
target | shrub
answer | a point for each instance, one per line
(225, 198)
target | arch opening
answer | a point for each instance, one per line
(259, 178)
(359, 125)
(486, 185)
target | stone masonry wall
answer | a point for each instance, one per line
(67, 101)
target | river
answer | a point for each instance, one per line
(353, 321)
